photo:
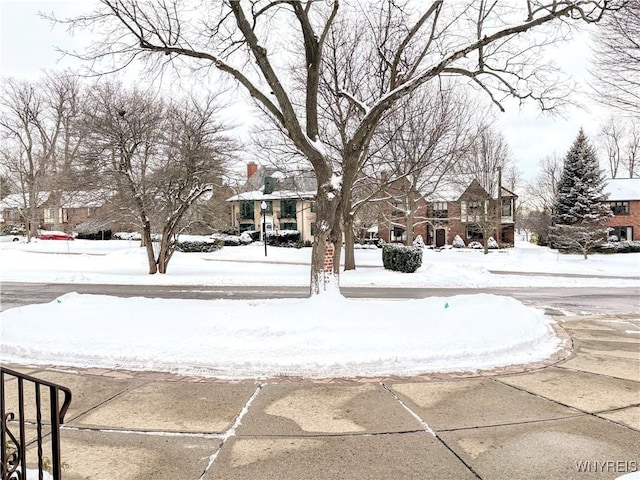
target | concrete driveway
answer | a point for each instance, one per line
(578, 418)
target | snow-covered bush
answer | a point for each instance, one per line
(418, 242)
(127, 236)
(475, 245)
(285, 238)
(246, 238)
(401, 258)
(458, 242)
(365, 246)
(619, 247)
(492, 244)
(227, 240)
(204, 245)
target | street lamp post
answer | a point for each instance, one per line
(263, 206)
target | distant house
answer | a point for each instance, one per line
(289, 199)
(62, 211)
(623, 196)
(13, 209)
(456, 209)
(74, 209)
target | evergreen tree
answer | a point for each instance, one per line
(579, 213)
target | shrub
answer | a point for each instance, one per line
(458, 242)
(619, 247)
(200, 246)
(285, 238)
(400, 258)
(492, 244)
(98, 235)
(227, 240)
(418, 242)
(246, 238)
(475, 245)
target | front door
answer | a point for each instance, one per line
(440, 237)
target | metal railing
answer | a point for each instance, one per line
(21, 407)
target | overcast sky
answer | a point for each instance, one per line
(27, 45)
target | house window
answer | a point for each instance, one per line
(473, 208)
(507, 208)
(440, 210)
(619, 208)
(620, 234)
(312, 207)
(246, 210)
(398, 234)
(289, 226)
(288, 208)
(474, 233)
(244, 227)
(313, 229)
(76, 211)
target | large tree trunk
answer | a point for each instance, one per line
(349, 243)
(324, 278)
(151, 257)
(164, 254)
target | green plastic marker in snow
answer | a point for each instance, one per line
(446, 305)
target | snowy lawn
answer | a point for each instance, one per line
(124, 262)
(316, 337)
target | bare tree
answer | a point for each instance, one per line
(481, 212)
(414, 43)
(611, 138)
(541, 195)
(424, 140)
(620, 140)
(617, 60)
(632, 156)
(160, 157)
(24, 153)
(41, 125)
(487, 158)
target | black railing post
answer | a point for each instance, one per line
(13, 449)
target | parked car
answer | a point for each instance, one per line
(11, 237)
(54, 235)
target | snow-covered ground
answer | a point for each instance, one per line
(124, 262)
(323, 336)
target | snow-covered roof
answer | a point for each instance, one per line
(84, 199)
(276, 195)
(293, 185)
(622, 189)
(16, 200)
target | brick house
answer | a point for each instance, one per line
(75, 209)
(289, 200)
(458, 209)
(623, 196)
(403, 206)
(13, 209)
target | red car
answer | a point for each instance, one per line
(44, 235)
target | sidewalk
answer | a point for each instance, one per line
(576, 419)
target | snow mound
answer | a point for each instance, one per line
(322, 336)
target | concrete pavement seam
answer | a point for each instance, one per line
(231, 432)
(151, 433)
(428, 429)
(133, 387)
(509, 424)
(584, 412)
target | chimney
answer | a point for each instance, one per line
(252, 168)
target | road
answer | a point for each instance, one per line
(555, 301)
